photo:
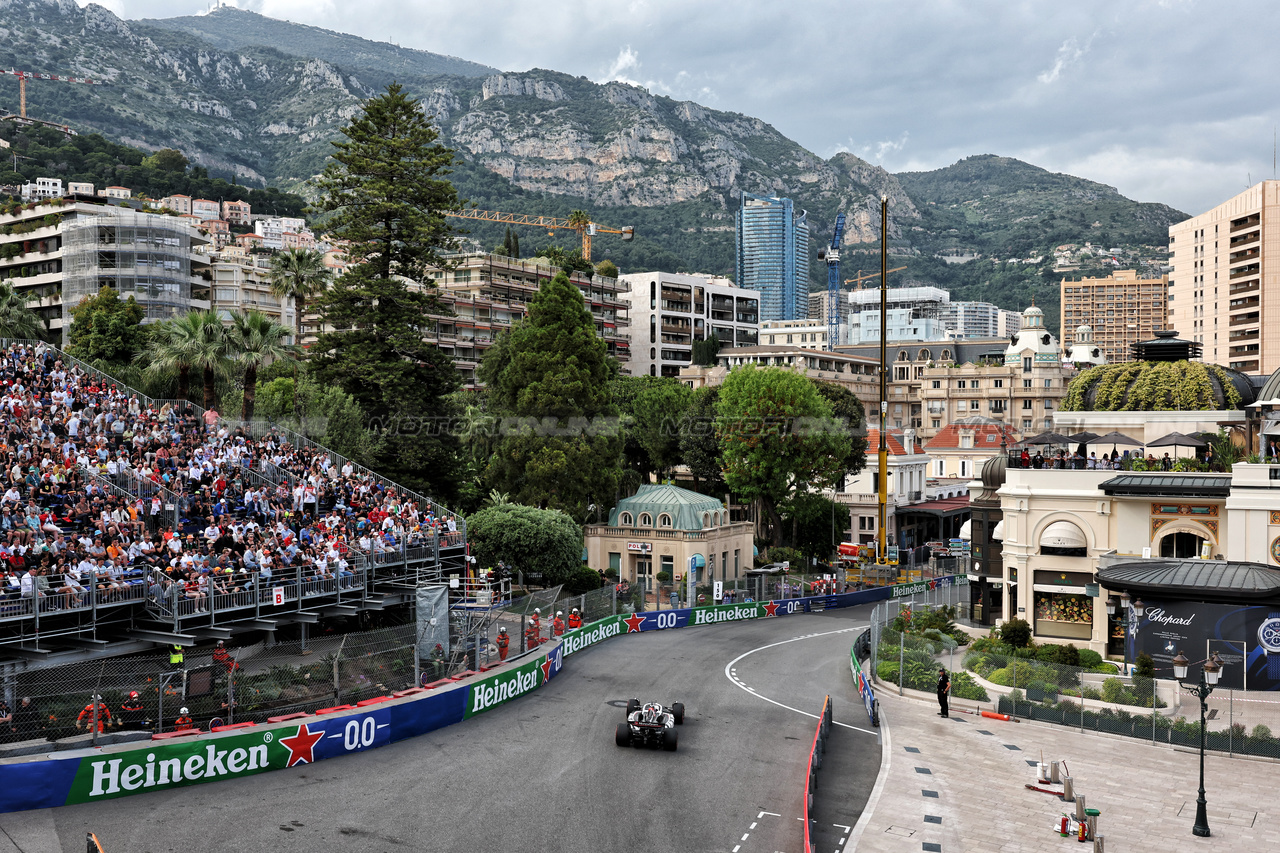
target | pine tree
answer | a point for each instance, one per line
(386, 188)
(550, 376)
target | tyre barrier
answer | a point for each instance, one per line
(49, 779)
(816, 751)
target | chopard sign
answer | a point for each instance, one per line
(1157, 614)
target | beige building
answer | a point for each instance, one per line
(1226, 280)
(859, 374)
(660, 528)
(1021, 386)
(484, 294)
(806, 334)
(1120, 310)
(960, 448)
(242, 281)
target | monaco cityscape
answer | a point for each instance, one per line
(369, 378)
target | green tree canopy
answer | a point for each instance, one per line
(814, 523)
(847, 409)
(607, 269)
(167, 160)
(705, 352)
(548, 380)
(652, 408)
(568, 260)
(699, 445)
(107, 328)
(542, 541)
(16, 319)
(777, 438)
(386, 191)
(255, 340)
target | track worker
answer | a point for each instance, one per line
(944, 692)
(557, 624)
(575, 620)
(184, 721)
(532, 639)
(503, 641)
(85, 720)
(131, 712)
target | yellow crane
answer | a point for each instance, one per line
(24, 76)
(577, 222)
(871, 275)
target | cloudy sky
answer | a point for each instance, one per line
(1167, 100)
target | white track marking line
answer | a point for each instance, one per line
(728, 669)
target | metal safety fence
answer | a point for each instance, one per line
(1060, 684)
(218, 684)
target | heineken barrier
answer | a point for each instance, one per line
(118, 771)
(905, 590)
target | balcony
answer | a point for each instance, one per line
(1251, 270)
(1247, 222)
(1244, 319)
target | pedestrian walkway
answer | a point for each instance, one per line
(958, 784)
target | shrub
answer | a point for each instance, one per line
(887, 670)
(1088, 658)
(964, 687)
(1016, 633)
(1146, 667)
(1113, 690)
(1260, 732)
(1090, 693)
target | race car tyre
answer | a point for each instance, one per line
(633, 705)
(622, 737)
(669, 738)
(677, 711)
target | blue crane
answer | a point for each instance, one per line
(832, 256)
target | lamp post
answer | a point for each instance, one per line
(1209, 674)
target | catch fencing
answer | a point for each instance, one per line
(249, 684)
(1035, 685)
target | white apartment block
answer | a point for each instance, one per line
(806, 334)
(1225, 280)
(672, 310)
(43, 188)
(273, 228)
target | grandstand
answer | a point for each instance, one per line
(129, 523)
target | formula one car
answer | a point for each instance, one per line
(650, 724)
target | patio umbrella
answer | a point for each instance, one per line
(1046, 438)
(1177, 439)
(1113, 438)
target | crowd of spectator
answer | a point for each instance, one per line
(129, 498)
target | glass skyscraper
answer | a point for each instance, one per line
(773, 256)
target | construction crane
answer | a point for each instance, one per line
(24, 76)
(870, 276)
(584, 227)
(832, 256)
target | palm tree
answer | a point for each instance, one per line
(298, 274)
(254, 341)
(172, 347)
(209, 351)
(16, 319)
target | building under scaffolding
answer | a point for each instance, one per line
(144, 255)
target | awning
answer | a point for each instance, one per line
(966, 530)
(1062, 534)
(1215, 581)
(1169, 485)
(997, 535)
(942, 507)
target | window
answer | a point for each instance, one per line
(966, 442)
(962, 384)
(626, 519)
(1026, 424)
(615, 562)
(1048, 383)
(1026, 383)
(991, 437)
(653, 296)
(946, 355)
(706, 519)
(974, 405)
(937, 383)
(937, 424)
(653, 353)
(653, 328)
(788, 338)
(999, 383)
(966, 468)
(939, 467)
(1026, 364)
(664, 520)
(646, 520)
(1026, 405)
(668, 565)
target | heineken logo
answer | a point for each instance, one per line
(135, 772)
(579, 640)
(728, 614)
(504, 688)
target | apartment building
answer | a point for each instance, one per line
(241, 281)
(1224, 287)
(42, 188)
(858, 373)
(178, 203)
(960, 448)
(62, 251)
(1120, 309)
(806, 334)
(772, 255)
(484, 294)
(680, 309)
(272, 229)
(237, 212)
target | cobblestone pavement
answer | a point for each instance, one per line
(958, 784)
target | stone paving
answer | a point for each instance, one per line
(958, 784)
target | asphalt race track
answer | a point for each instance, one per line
(543, 773)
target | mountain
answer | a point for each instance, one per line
(231, 29)
(259, 99)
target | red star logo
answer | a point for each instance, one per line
(301, 746)
(634, 621)
(771, 608)
(545, 666)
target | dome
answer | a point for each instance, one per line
(681, 509)
(1084, 332)
(1062, 534)
(1033, 340)
(993, 472)
(1158, 386)
(1033, 316)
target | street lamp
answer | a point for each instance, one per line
(1209, 674)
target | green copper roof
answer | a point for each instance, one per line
(684, 506)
